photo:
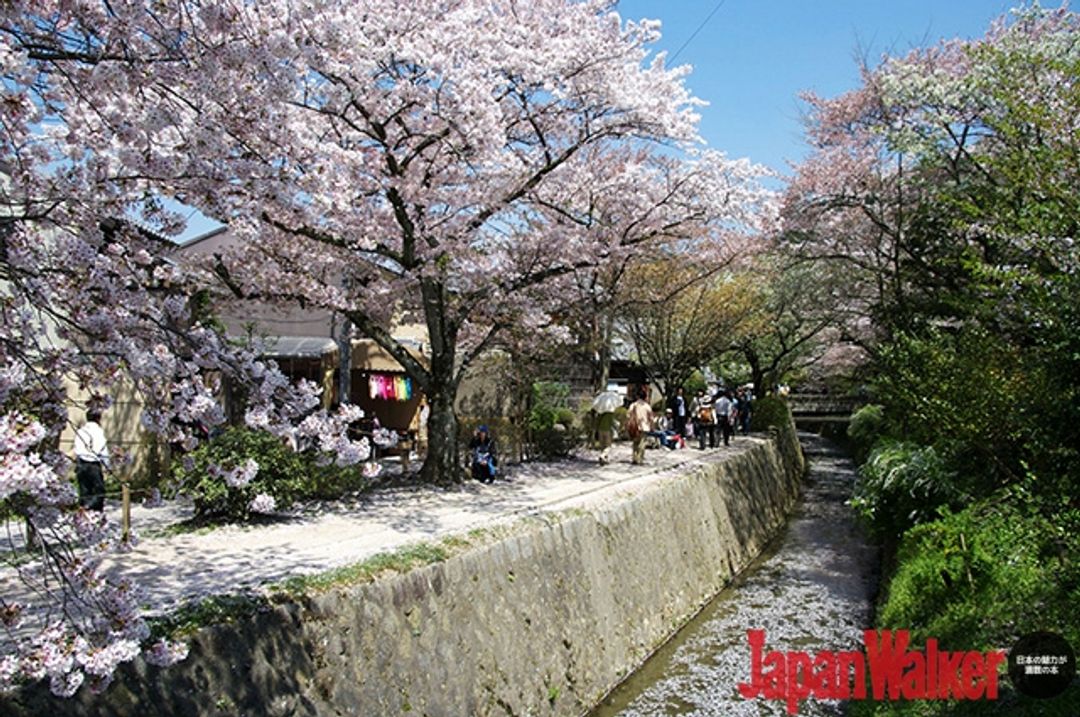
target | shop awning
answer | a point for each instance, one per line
(299, 346)
(369, 356)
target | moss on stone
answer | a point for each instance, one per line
(400, 561)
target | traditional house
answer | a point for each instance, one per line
(309, 343)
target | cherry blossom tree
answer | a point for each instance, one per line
(389, 161)
(385, 162)
(949, 158)
(715, 209)
(90, 300)
(849, 205)
(95, 305)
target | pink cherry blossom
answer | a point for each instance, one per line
(454, 164)
(262, 503)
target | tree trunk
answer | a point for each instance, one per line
(757, 373)
(602, 364)
(343, 339)
(443, 462)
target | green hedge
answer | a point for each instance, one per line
(978, 579)
(865, 429)
(283, 474)
(769, 411)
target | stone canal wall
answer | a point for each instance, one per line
(543, 621)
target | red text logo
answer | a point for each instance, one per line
(894, 672)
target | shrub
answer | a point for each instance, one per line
(769, 411)
(330, 481)
(551, 421)
(565, 418)
(278, 472)
(557, 442)
(204, 473)
(978, 579)
(588, 422)
(901, 485)
(984, 576)
(772, 412)
(548, 399)
(865, 429)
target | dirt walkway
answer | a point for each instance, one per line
(314, 538)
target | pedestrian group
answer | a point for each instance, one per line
(711, 418)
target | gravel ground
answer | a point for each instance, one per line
(175, 567)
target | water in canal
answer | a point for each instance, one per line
(811, 590)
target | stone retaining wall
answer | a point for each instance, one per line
(542, 622)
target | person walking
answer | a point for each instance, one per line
(701, 410)
(91, 456)
(605, 426)
(604, 405)
(639, 421)
(680, 411)
(725, 412)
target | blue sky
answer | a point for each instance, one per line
(753, 57)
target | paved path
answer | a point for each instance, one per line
(315, 538)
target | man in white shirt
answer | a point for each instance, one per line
(724, 409)
(91, 455)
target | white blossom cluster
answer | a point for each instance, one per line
(455, 162)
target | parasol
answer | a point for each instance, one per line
(607, 401)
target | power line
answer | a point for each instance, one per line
(699, 29)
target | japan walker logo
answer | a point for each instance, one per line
(894, 672)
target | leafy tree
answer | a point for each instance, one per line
(1000, 232)
(944, 182)
(946, 185)
(676, 329)
(793, 313)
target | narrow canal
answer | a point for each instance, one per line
(811, 590)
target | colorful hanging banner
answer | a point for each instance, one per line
(390, 387)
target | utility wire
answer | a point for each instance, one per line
(699, 29)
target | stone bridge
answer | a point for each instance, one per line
(822, 413)
(821, 404)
